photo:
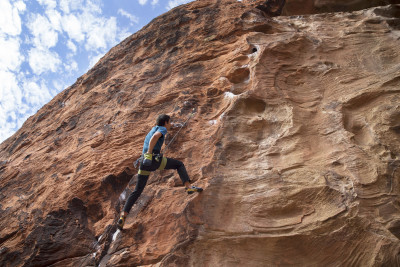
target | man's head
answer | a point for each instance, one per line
(163, 120)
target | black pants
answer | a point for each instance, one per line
(172, 164)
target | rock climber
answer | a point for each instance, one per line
(153, 160)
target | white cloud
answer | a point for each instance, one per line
(71, 66)
(10, 21)
(59, 85)
(54, 18)
(174, 3)
(10, 100)
(101, 32)
(7, 129)
(73, 27)
(142, 2)
(124, 33)
(95, 59)
(131, 17)
(51, 4)
(17, 104)
(154, 2)
(10, 94)
(68, 6)
(36, 94)
(44, 36)
(93, 6)
(10, 56)
(20, 6)
(42, 61)
(88, 26)
(71, 46)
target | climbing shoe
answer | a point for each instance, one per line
(121, 222)
(193, 189)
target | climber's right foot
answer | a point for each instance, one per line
(193, 189)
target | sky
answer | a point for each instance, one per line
(45, 45)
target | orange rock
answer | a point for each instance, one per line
(295, 141)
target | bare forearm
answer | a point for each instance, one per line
(153, 141)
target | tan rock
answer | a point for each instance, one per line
(295, 141)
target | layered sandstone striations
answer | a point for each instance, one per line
(296, 141)
(301, 7)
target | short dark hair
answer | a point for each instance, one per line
(162, 119)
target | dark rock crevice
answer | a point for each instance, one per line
(51, 239)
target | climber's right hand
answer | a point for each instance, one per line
(147, 159)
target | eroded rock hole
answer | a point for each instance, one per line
(396, 129)
(264, 28)
(395, 23)
(239, 75)
(394, 228)
(249, 106)
(392, 11)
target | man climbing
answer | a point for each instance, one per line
(152, 160)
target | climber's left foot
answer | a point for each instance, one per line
(121, 222)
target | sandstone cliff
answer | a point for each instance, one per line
(296, 141)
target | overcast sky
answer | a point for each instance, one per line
(45, 45)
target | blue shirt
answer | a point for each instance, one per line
(160, 141)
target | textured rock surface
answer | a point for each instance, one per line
(301, 7)
(296, 141)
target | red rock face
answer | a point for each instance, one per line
(302, 7)
(296, 141)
